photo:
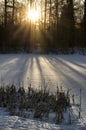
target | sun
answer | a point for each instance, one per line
(33, 15)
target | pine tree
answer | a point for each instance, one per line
(67, 25)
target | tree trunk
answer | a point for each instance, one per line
(84, 23)
(45, 14)
(5, 13)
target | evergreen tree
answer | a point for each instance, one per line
(67, 25)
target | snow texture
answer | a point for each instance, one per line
(18, 123)
(39, 71)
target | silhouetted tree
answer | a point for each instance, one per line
(67, 26)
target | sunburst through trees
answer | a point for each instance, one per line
(46, 25)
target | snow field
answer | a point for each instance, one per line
(39, 71)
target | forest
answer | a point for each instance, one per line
(60, 26)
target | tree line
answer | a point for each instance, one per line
(61, 26)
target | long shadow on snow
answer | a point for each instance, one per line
(55, 60)
(16, 71)
(40, 69)
(68, 79)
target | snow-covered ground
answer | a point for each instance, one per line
(18, 123)
(39, 70)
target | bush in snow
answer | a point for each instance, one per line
(40, 102)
